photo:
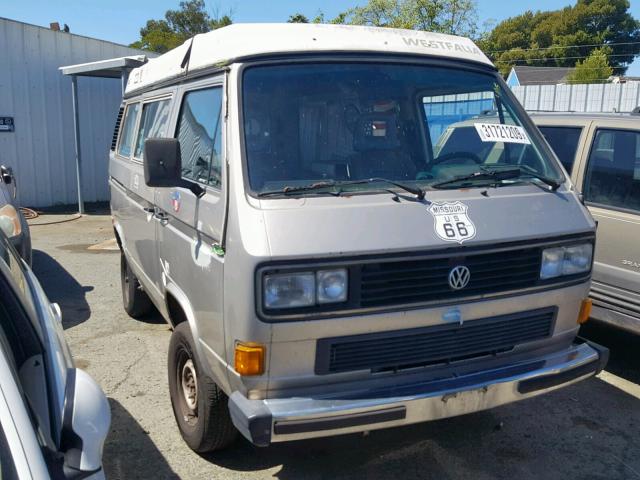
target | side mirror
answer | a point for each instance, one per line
(85, 425)
(162, 162)
(163, 165)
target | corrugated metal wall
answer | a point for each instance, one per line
(603, 98)
(38, 96)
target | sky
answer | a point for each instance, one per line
(120, 20)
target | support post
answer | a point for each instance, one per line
(76, 131)
(124, 77)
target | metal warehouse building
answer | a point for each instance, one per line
(36, 113)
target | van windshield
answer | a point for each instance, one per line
(327, 123)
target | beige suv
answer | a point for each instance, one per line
(602, 155)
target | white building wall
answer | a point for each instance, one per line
(38, 96)
(602, 98)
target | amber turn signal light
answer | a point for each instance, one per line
(249, 359)
(585, 311)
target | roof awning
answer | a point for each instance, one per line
(117, 68)
(111, 68)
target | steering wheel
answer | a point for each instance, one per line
(450, 156)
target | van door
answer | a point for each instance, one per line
(612, 192)
(131, 199)
(191, 234)
(140, 223)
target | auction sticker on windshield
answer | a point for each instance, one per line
(452, 222)
(497, 132)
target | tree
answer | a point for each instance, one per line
(178, 26)
(563, 37)
(458, 17)
(593, 69)
(157, 36)
(297, 18)
(338, 20)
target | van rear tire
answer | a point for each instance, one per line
(200, 407)
(135, 300)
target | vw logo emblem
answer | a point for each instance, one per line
(459, 277)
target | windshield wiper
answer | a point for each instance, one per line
(492, 175)
(299, 189)
(554, 184)
(500, 175)
(417, 191)
(288, 190)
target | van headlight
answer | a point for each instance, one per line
(304, 289)
(331, 286)
(559, 261)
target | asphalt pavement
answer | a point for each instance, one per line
(590, 430)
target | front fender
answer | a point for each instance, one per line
(214, 365)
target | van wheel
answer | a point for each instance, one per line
(199, 405)
(135, 300)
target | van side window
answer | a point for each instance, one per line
(200, 136)
(153, 123)
(126, 135)
(564, 142)
(613, 171)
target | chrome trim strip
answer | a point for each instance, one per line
(602, 313)
(286, 427)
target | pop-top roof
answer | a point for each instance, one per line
(239, 41)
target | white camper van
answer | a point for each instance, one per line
(277, 196)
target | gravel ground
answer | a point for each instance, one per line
(589, 430)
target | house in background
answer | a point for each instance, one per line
(523, 75)
(36, 99)
(622, 79)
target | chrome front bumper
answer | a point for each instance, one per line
(284, 419)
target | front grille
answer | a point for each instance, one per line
(440, 344)
(425, 280)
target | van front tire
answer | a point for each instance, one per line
(135, 300)
(200, 407)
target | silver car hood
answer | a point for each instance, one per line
(368, 224)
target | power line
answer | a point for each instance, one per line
(565, 82)
(571, 68)
(566, 46)
(542, 69)
(559, 58)
(530, 68)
